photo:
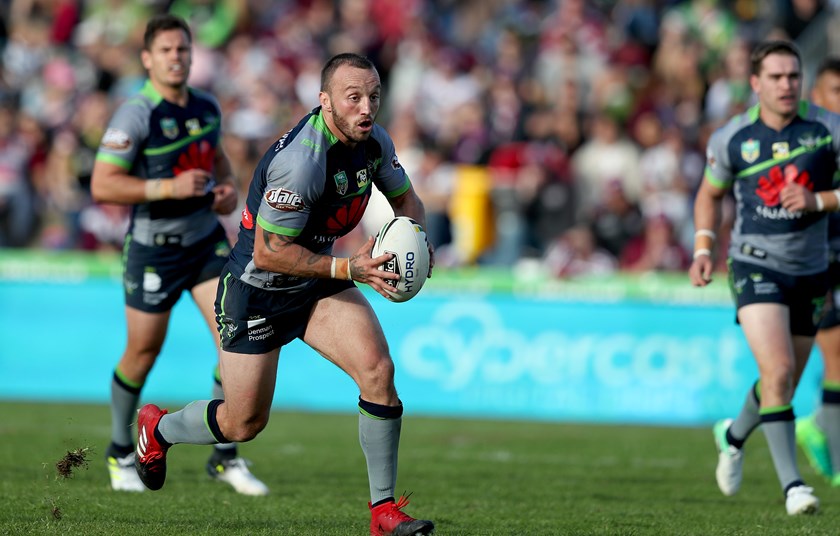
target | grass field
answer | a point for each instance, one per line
(470, 477)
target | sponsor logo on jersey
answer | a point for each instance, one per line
(362, 179)
(750, 150)
(247, 219)
(341, 183)
(395, 163)
(169, 127)
(771, 186)
(282, 141)
(306, 142)
(193, 126)
(781, 149)
(286, 200)
(116, 140)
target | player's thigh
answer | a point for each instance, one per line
(248, 381)
(145, 331)
(204, 295)
(344, 329)
(766, 327)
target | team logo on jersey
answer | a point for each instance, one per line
(285, 200)
(116, 140)
(340, 182)
(169, 127)
(193, 126)
(750, 150)
(781, 150)
(395, 163)
(808, 141)
(362, 179)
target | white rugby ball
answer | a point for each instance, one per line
(406, 239)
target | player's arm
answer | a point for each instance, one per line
(277, 252)
(409, 204)
(225, 191)
(707, 213)
(111, 183)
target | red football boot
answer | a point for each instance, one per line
(387, 519)
(150, 461)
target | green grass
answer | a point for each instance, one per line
(471, 477)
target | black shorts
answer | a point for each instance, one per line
(155, 276)
(803, 294)
(831, 312)
(253, 320)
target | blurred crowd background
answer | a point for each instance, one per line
(567, 134)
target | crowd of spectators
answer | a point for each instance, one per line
(569, 132)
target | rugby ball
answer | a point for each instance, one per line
(406, 239)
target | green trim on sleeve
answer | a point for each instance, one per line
(113, 159)
(398, 192)
(277, 229)
(714, 181)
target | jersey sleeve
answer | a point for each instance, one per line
(718, 169)
(126, 133)
(391, 178)
(294, 183)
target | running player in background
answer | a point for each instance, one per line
(161, 154)
(819, 434)
(780, 157)
(282, 282)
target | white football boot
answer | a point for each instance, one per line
(801, 500)
(236, 473)
(730, 467)
(123, 474)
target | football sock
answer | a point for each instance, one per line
(379, 435)
(188, 424)
(747, 420)
(780, 431)
(223, 451)
(828, 419)
(125, 395)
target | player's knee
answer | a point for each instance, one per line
(378, 374)
(245, 430)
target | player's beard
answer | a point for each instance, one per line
(346, 128)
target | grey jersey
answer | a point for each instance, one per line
(757, 162)
(311, 187)
(153, 138)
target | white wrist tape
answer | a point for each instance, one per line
(702, 251)
(332, 268)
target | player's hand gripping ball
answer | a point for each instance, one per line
(406, 239)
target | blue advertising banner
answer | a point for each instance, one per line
(492, 355)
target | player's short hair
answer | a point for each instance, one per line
(163, 22)
(765, 48)
(831, 64)
(347, 58)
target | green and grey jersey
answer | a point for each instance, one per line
(153, 138)
(757, 162)
(311, 187)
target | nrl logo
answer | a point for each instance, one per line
(169, 127)
(750, 150)
(340, 182)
